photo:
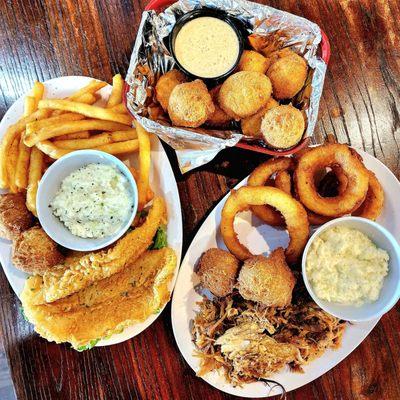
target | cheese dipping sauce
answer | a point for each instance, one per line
(207, 47)
(343, 265)
(93, 201)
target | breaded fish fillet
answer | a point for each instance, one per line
(65, 279)
(107, 306)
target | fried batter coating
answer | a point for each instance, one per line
(34, 252)
(219, 118)
(218, 270)
(288, 75)
(190, 104)
(251, 126)
(283, 127)
(267, 280)
(166, 84)
(14, 216)
(253, 61)
(244, 93)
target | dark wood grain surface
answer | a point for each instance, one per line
(42, 39)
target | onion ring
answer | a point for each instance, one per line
(283, 181)
(372, 206)
(330, 155)
(294, 213)
(259, 177)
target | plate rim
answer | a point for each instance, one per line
(228, 388)
(7, 121)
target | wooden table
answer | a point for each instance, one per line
(49, 38)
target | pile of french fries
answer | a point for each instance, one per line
(51, 128)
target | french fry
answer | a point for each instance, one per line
(120, 108)
(33, 128)
(12, 158)
(91, 88)
(37, 92)
(76, 135)
(22, 169)
(129, 146)
(144, 165)
(86, 98)
(85, 109)
(35, 174)
(116, 93)
(29, 105)
(97, 140)
(135, 174)
(51, 150)
(67, 127)
(8, 138)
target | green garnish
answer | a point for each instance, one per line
(160, 239)
(88, 346)
(23, 313)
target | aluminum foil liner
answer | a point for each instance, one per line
(151, 58)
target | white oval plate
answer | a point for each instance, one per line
(162, 182)
(252, 232)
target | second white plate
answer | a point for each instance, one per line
(261, 238)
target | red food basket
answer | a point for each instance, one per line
(159, 5)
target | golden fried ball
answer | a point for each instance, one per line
(34, 252)
(288, 75)
(253, 61)
(244, 93)
(218, 270)
(166, 84)
(283, 126)
(190, 104)
(219, 118)
(267, 280)
(251, 126)
(14, 216)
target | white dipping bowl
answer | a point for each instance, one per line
(51, 182)
(390, 292)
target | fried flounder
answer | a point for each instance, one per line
(107, 306)
(68, 278)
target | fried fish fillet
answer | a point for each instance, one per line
(107, 306)
(68, 278)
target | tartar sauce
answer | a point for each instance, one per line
(207, 47)
(93, 201)
(343, 265)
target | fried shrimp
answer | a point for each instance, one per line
(244, 93)
(166, 84)
(190, 104)
(282, 127)
(267, 280)
(288, 75)
(218, 270)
